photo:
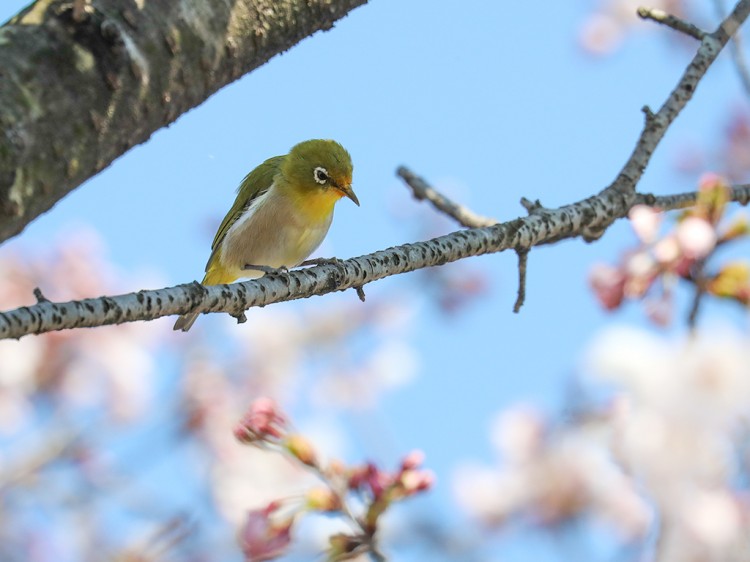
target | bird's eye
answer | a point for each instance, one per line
(320, 175)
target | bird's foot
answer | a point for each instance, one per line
(321, 261)
(266, 269)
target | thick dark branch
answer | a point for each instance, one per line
(80, 86)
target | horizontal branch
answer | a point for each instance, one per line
(740, 194)
(521, 234)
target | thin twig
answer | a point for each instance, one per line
(738, 53)
(662, 17)
(39, 295)
(699, 279)
(463, 215)
(523, 257)
(655, 128)
(740, 194)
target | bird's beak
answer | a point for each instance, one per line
(349, 192)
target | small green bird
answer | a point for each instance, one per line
(282, 212)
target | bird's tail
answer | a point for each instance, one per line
(214, 276)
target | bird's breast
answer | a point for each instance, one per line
(274, 232)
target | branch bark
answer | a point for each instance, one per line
(520, 234)
(588, 218)
(77, 90)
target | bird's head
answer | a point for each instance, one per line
(319, 167)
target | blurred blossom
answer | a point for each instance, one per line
(687, 400)
(604, 29)
(64, 384)
(608, 284)
(645, 221)
(665, 448)
(568, 476)
(705, 379)
(264, 426)
(263, 421)
(518, 434)
(261, 537)
(651, 270)
(714, 517)
(695, 237)
(110, 368)
(253, 477)
(735, 153)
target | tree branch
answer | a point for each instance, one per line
(115, 71)
(588, 218)
(656, 124)
(422, 190)
(740, 194)
(662, 17)
(738, 53)
(519, 235)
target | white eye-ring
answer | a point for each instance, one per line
(321, 175)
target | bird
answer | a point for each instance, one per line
(282, 212)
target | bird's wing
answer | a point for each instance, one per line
(256, 183)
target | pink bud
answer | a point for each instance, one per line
(645, 222)
(696, 237)
(262, 422)
(261, 538)
(370, 476)
(413, 460)
(414, 481)
(710, 181)
(608, 284)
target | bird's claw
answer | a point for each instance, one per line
(266, 269)
(322, 261)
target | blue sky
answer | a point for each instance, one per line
(491, 102)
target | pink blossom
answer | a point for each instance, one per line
(261, 538)
(370, 477)
(262, 422)
(413, 481)
(667, 250)
(645, 222)
(413, 460)
(608, 284)
(696, 237)
(710, 181)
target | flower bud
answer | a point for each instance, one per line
(301, 449)
(263, 421)
(263, 539)
(322, 499)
